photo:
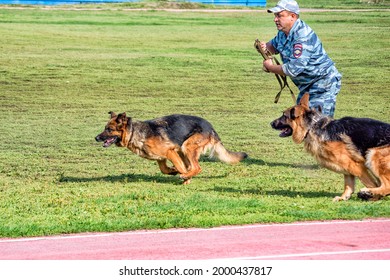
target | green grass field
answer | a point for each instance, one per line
(63, 70)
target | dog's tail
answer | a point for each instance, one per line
(219, 151)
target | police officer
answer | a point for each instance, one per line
(304, 58)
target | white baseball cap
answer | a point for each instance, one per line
(285, 5)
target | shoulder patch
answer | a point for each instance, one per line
(297, 51)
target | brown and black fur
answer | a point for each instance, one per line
(181, 139)
(355, 147)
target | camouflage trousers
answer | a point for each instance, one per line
(323, 93)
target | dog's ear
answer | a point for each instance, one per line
(305, 100)
(296, 112)
(292, 113)
(112, 114)
(129, 124)
(121, 118)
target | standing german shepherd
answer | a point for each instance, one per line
(180, 139)
(355, 147)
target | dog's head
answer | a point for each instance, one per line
(295, 120)
(116, 132)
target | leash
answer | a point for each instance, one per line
(282, 80)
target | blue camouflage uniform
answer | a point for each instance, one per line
(309, 67)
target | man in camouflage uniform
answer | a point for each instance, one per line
(304, 58)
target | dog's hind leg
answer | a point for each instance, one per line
(178, 164)
(378, 160)
(162, 164)
(355, 169)
(185, 160)
(349, 188)
(192, 148)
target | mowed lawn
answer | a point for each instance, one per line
(63, 70)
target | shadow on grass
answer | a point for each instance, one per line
(286, 193)
(172, 179)
(261, 162)
(126, 178)
(120, 178)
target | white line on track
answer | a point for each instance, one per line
(312, 254)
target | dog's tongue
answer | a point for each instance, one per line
(108, 142)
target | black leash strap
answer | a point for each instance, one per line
(283, 85)
(282, 80)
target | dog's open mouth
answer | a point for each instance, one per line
(285, 131)
(109, 141)
(282, 126)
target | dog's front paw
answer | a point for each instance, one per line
(186, 179)
(341, 198)
(337, 199)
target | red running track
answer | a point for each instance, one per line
(331, 240)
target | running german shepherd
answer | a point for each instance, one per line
(180, 139)
(355, 147)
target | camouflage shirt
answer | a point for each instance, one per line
(305, 60)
